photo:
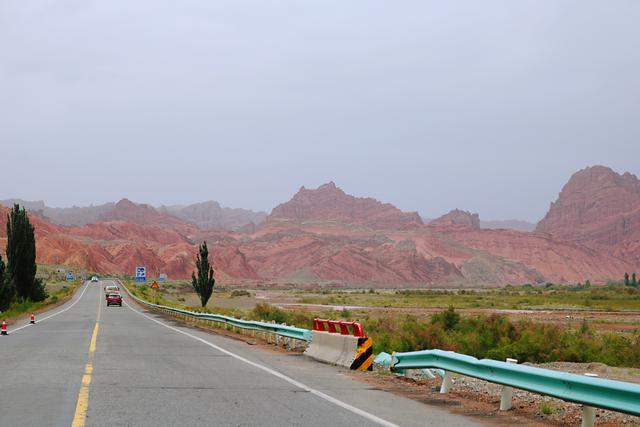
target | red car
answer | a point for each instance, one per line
(114, 299)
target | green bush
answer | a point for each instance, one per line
(448, 318)
(240, 293)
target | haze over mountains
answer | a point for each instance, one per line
(325, 236)
(206, 215)
(211, 215)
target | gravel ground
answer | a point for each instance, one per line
(536, 407)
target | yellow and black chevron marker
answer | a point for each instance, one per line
(364, 355)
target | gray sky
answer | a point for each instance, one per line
(486, 105)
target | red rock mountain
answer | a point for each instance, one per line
(325, 236)
(330, 203)
(457, 218)
(600, 209)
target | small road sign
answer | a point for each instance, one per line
(154, 285)
(141, 274)
(69, 275)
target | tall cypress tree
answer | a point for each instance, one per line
(21, 257)
(204, 283)
(7, 291)
(626, 279)
(634, 280)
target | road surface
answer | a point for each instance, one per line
(93, 365)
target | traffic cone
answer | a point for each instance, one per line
(33, 318)
(3, 328)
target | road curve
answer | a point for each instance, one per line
(92, 365)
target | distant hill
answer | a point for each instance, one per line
(64, 216)
(210, 215)
(457, 218)
(206, 215)
(36, 205)
(508, 224)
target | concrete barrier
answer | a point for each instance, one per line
(331, 348)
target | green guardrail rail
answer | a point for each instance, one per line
(597, 392)
(274, 328)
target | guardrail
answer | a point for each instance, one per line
(319, 325)
(272, 328)
(586, 390)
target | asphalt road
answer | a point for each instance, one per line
(92, 365)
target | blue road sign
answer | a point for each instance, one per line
(69, 275)
(141, 274)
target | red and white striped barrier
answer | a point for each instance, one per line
(335, 326)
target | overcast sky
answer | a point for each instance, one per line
(487, 105)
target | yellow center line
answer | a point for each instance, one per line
(82, 406)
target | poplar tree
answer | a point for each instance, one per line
(204, 282)
(634, 280)
(21, 257)
(626, 279)
(7, 291)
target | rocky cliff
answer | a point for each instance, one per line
(600, 209)
(457, 218)
(330, 203)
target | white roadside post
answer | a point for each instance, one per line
(589, 412)
(447, 381)
(507, 393)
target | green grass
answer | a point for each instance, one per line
(546, 408)
(527, 297)
(57, 291)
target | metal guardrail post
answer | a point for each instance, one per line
(447, 381)
(589, 412)
(585, 390)
(507, 393)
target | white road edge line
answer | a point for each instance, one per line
(13, 331)
(290, 380)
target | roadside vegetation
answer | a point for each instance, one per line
(203, 284)
(611, 297)
(58, 292)
(492, 336)
(19, 286)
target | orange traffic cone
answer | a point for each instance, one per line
(3, 328)
(33, 318)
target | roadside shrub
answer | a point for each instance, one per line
(264, 311)
(496, 337)
(240, 293)
(482, 336)
(448, 318)
(546, 408)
